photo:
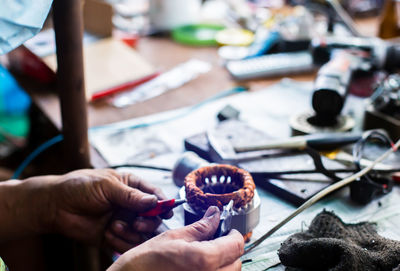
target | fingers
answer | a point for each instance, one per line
(203, 229)
(136, 189)
(136, 182)
(116, 243)
(121, 236)
(122, 230)
(148, 224)
(130, 198)
(227, 248)
(167, 215)
(236, 266)
(133, 233)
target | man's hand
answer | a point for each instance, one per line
(188, 248)
(93, 206)
(97, 205)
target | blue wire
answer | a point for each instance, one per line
(35, 153)
(60, 137)
(177, 116)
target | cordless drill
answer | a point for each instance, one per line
(340, 57)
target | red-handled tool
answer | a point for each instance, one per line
(163, 206)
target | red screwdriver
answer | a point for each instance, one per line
(163, 206)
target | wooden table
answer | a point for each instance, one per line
(165, 54)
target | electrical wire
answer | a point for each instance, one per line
(178, 115)
(321, 195)
(142, 166)
(60, 137)
(35, 153)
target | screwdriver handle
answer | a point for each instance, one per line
(162, 206)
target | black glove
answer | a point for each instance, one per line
(330, 244)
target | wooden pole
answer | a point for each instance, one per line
(68, 26)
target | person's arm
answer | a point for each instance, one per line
(82, 204)
(188, 248)
(25, 207)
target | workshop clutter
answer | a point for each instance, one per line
(383, 109)
(14, 118)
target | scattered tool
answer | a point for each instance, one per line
(324, 141)
(321, 195)
(221, 149)
(226, 220)
(162, 207)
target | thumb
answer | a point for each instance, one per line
(204, 229)
(131, 198)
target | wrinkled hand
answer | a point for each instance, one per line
(87, 206)
(188, 248)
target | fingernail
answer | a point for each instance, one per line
(139, 225)
(211, 211)
(119, 227)
(149, 200)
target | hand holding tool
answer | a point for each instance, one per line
(163, 206)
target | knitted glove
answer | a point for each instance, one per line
(330, 244)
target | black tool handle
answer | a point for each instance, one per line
(332, 141)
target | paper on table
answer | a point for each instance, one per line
(168, 80)
(109, 63)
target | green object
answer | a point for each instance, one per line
(197, 34)
(14, 126)
(3, 267)
(14, 108)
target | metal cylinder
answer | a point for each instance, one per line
(188, 162)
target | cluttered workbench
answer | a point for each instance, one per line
(165, 54)
(149, 138)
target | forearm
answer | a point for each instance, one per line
(25, 207)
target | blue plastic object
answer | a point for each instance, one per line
(263, 43)
(13, 99)
(14, 106)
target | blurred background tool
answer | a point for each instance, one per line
(383, 108)
(271, 65)
(316, 141)
(343, 16)
(342, 58)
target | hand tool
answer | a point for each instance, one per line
(226, 220)
(321, 195)
(324, 141)
(163, 206)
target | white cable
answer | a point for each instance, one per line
(322, 194)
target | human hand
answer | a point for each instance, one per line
(188, 248)
(85, 204)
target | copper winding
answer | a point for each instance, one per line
(225, 182)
